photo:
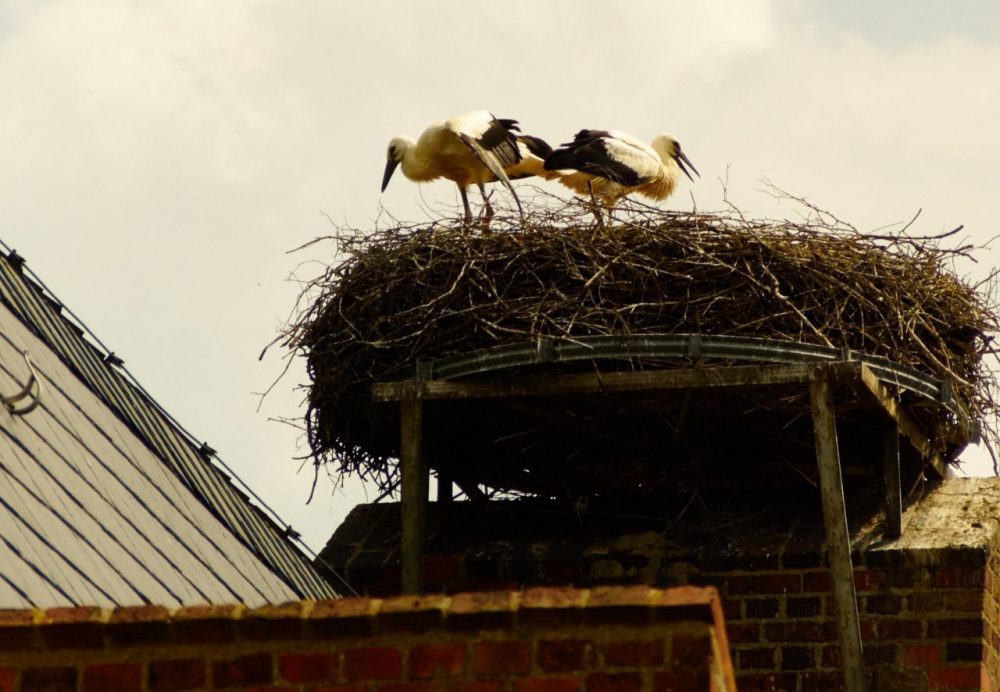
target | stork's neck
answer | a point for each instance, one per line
(415, 163)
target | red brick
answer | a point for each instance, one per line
(804, 606)
(143, 613)
(953, 678)
(428, 660)
(179, 674)
(963, 601)
(963, 651)
(690, 651)
(553, 597)
(892, 628)
(406, 687)
(883, 604)
(818, 582)
(345, 608)
(955, 628)
(757, 657)
(766, 682)
(800, 631)
(564, 655)
(798, 657)
(681, 680)
(243, 671)
(46, 679)
(7, 676)
(373, 663)
(84, 635)
(547, 685)
(491, 658)
(924, 602)
(743, 633)
(633, 653)
(475, 686)
(112, 677)
(867, 580)
(608, 682)
(474, 602)
(764, 584)
(634, 595)
(779, 583)
(339, 688)
(209, 631)
(922, 654)
(955, 577)
(15, 617)
(731, 609)
(316, 667)
(758, 608)
(272, 623)
(820, 681)
(69, 615)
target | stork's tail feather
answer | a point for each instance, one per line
(561, 159)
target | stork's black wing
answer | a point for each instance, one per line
(595, 152)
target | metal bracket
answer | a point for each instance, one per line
(32, 388)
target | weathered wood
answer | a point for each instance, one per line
(876, 393)
(893, 484)
(414, 488)
(838, 540)
(591, 383)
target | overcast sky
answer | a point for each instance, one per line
(158, 159)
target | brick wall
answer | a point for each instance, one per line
(927, 602)
(991, 619)
(544, 639)
(921, 627)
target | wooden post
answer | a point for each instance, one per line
(414, 493)
(446, 489)
(838, 541)
(893, 490)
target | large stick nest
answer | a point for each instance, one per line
(403, 294)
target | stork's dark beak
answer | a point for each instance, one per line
(390, 166)
(681, 160)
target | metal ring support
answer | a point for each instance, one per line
(549, 349)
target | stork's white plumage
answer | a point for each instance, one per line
(609, 165)
(471, 148)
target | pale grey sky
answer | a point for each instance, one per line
(159, 158)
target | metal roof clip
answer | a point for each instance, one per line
(32, 389)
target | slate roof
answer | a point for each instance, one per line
(104, 499)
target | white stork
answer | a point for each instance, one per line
(610, 165)
(471, 148)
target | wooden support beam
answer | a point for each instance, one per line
(838, 540)
(875, 392)
(893, 484)
(414, 488)
(596, 383)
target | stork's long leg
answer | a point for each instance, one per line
(488, 210)
(595, 208)
(465, 203)
(517, 201)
